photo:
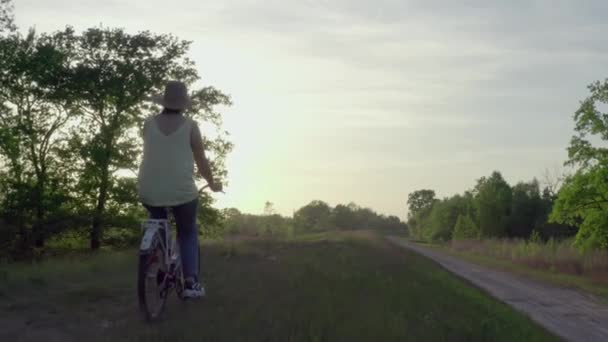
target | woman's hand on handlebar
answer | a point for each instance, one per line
(215, 187)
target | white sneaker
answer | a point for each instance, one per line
(193, 290)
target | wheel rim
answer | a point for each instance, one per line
(155, 283)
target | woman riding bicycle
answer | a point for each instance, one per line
(172, 144)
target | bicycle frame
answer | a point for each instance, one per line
(161, 229)
(151, 228)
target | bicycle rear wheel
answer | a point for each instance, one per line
(151, 282)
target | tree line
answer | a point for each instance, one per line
(72, 105)
(492, 209)
(575, 206)
(316, 216)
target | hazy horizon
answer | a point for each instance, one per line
(356, 101)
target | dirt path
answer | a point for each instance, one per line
(565, 312)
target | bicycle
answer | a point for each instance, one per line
(160, 266)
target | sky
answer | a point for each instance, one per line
(367, 101)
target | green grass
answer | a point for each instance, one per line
(336, 287)
(550, 276)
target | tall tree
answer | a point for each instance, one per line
(493, 204)
(444, 215)
(115, 72)
(6, 16)
(269, 208)
(583, 198)
(420, 200)
(33, 74)
(345, 216)
(465, 228)
(313, 216)
(420, 203)
(527, 209)
(552, 181)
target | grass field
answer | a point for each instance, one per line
(338, 287)
(594, 285)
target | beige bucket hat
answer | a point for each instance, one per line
(175, 96)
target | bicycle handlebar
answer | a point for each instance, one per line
(206, 186)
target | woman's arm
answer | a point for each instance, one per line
(202, 163)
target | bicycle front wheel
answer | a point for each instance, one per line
(152, 286)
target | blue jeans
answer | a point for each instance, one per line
(187, 233)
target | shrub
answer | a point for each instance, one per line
(556, 256)
(465, 228)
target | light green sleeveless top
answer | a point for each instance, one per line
(166, 173)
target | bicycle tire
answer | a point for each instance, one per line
(145, 275)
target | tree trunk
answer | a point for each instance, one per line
(38, 229)
(24, 246)
(96, 229)
(96, 232)
(38, 234)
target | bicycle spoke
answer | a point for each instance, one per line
(153, 287)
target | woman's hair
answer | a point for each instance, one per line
(171, 111)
